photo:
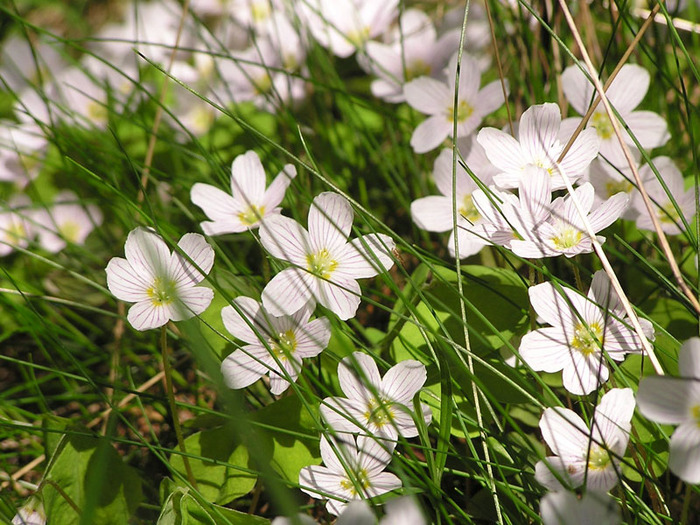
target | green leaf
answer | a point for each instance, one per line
(222, 474)
(184, 508)
(89, 474)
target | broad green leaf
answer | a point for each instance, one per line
(184, 508)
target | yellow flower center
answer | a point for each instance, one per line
(587, 338)
(468, 210)
(598, 458)
(361, 480)
(321, 264)
(359, 37)
(464, 111)
(601, 122)
(284, 345)
(567, 237)
(262, 84)
(616, 186)
(69, 230)
(162, 292)
(15, 233)
(695, 411)
(379, 412)
(97, 112)
(669, 215)
(251, 215)
(417, 68)
(260, 11)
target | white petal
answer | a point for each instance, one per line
(433, 214)
(668, 400)
(313, 338)
(147, 253)
(191, 302)
(330, 221)
(245, 366)
(215, 203)
(125, 283)
(198, 250)
(374, 455)
(628, 89)
(146, 315)
(288, 291)
(365, 257)
(403, 380)
(609, 211)
(551, 306)
(285, 239)
(613, 416)
(539, 129)
(342, 297)
(545, 349)
(585, 374)
(353, 382)
(428, 96)
(577, 89)
(650, 129)
(344, 415)
(240, 327)
(564, 431)
(502, 150)
(490, 97)
(430, 133)
(248, 179)
(689, 358)
(684, 460)
(582, 152)
(275, 191)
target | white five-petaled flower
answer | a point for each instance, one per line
(162, 284)
(250, 202)
(378, 406)
(353, 470)
(434, 213)
(593, 508)
(676, 401)
(436, 99)
(581, 328)
(662, 200)
(65, 222)
(539, 143)
(276, 345)
(625, 94)
(582, 455)
(325, 266)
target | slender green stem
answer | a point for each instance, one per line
(173, 409)
(686, 503)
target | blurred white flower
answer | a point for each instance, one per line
(249, 203)
(16, 229)
(325, 267)
(584, 456)
(382, 407)
(162, 284)
(22, 151)
(676, 401)
(593, 508)
(67, 221)
(276, 345)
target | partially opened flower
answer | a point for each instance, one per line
(162, 284)
(676, 401)
(325, 266)
(65, 222)
(539, 143)
(625, 93)
(666, 212)
(353, 470)
(378, 406)
(583, 455)
(580, 331)
(434, 213)
(435, 98)
(276, 345)
(593, 508)
(249, 203)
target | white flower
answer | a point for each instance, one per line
(434, 213)
(666, 213)
(15, 227)
(276, 345)
(608, 180)
(30, 514)
(676, 401)
(625, 94)
(162, 284)
(249, 203)
(539, 143)
(381, 407)
(580, 328)
(342, 26)
(353, 470)
(582, 455)
(416, 52)
(325, 266)
(593, 508)
(436, 99)
(65, 222)
(22, 150)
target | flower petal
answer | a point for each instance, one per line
(684, 460)
(244, 326)
(285, 239)
(365, 257)
(288, 291)
(403, 380)
(275, 191)
(248, 179)
(433, 214)
(245, 366)
(198, 250)
(147, 253)
(428, 96)
(430, 133)
(341, 296)
(330, 222)
(125, 283)
(146, 315)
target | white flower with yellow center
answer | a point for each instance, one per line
(249, 203)
(434, 213)
(374, 405)
(161, 283)
(353, 470)
(16, 228)
(66, 222)
(676, 401)
(625, 93)
(276, 345)
(582, 455)
(325, 267)
(436, 99)
(581, 329)
(539, 143)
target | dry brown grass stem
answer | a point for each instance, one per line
(631, 314)
(679, 23)
(499, 65)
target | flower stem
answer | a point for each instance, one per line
(173, 409)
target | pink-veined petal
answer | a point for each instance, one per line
(341, 296)
(551, 306)
(577, 89)
(200, 252)
(191, 301)
(430, 133)
(240, 327)
(125, 283)
(330, 222)
(288, 291)
(248, 179)
(428, 96)
(285, 239)
(146, 315)
(689, 358)
(215, 203)
(275, 191)
(628, 89)
(684, 460)
(403, 380)
(365, 257)
(609, 211)
(245, 366)
(147, 253)
(539, 129)
(352, 381)
(545, 349)
(502, 150)
(668, 400)
(649, 128)
(313, 338)
(433, 214)
(564, 431)
(344, 415)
